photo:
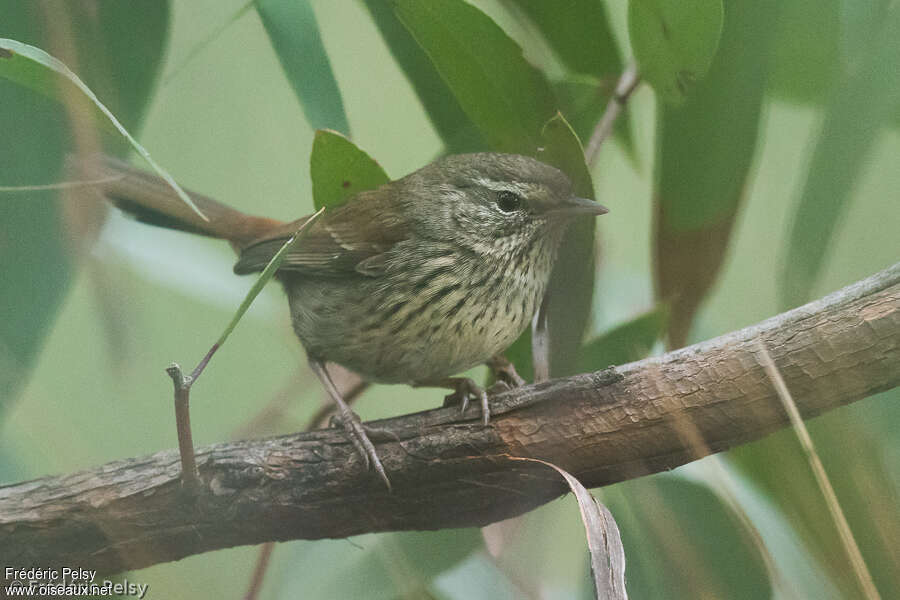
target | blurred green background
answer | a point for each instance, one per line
(86, 342)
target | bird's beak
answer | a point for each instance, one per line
(581, 206)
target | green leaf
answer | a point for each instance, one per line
(294, 33)
(339, 169)
(128, 42)
(806, 54)
(705, 151)
(444, 111)
(505, 97)
(674, 42)
(572, 281)
(580, 34)
(626, 342)
(865, 101)
(683, 542)
(23, 62)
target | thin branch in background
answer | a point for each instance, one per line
(205, 42)
(351, 386)
(259, 571)
(624, 88)
(62, 185)
(856, 559)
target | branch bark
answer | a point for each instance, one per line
(450, 471)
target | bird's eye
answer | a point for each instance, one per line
(508, 201)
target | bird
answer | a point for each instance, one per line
(413, 282)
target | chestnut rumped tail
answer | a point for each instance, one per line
(413, 282)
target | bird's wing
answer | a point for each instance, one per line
(349, 238)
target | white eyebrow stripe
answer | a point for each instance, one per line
(518, 187)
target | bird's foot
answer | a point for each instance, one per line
(358, 435)
(504, 371)
(464, 389)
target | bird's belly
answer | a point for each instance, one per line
(406, 335)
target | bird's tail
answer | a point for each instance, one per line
(149, 199)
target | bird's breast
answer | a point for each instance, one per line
(431, 314)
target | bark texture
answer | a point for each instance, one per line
(449, 470)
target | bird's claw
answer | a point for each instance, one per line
(356, 432)
(465, 390)
(505, 371)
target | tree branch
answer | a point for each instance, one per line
(449, 471)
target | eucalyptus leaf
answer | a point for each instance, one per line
(684, 542)
(579, 32)
(864, 103)
(21, 61)
(572, 281)
(294, 33)
(339, 169)
(506, 98)
(705, 151)
(674, 42)
(806, 53)
(38, 260)
(443, 109)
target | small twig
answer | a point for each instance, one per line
(189, 475)
(834, 507)
(624, 88)
(190, 478)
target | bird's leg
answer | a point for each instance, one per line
(504, 371)
(463, 389)
(350, 421)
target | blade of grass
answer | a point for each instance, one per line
(265, 276)
(202, 45)
(866, 584)
(13, 48)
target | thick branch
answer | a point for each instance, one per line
(603, 427)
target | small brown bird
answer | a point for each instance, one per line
(413, 282)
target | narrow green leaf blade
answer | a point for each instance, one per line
(865, 101)
(38, 258)
(505, 97)
(674, 42)
(681, 538)
(444, 112)
(705, 151)
(579, 32)
(572, 281)
(294, 33)
(267, 273)
(806, 53)
(11, 51)
(339, 169)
